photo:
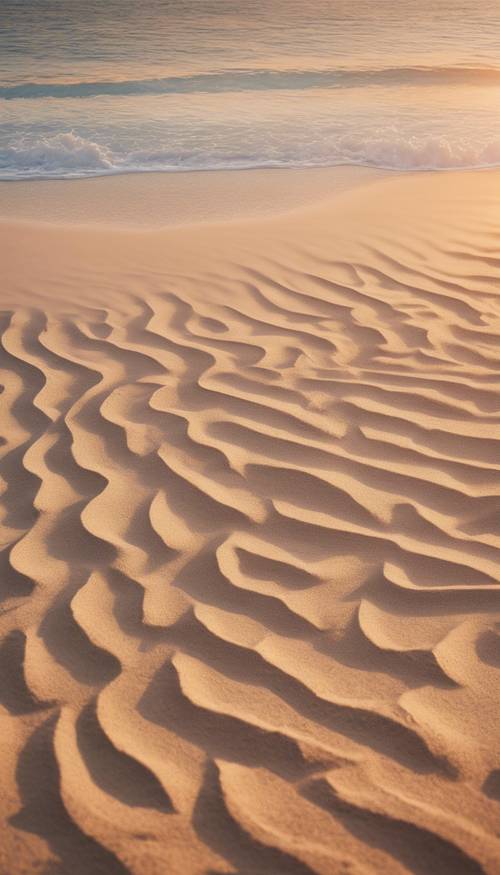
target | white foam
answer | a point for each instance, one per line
(69, 155)
(64, 154)
(418, 153)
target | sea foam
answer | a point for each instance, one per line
(69, 155)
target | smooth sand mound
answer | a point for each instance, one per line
(250, 571)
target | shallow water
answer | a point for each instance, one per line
(123, 85)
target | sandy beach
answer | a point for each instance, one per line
(250, 521)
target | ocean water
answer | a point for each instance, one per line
(114, 86)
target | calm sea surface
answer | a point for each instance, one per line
(110, 86)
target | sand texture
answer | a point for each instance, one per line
(250, 521)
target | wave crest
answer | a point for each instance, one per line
(256, 80)
(65, 153)
(69, 155)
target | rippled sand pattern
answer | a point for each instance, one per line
(250, 565)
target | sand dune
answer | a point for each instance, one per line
(250, 571)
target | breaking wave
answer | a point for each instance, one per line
(64, 154)
(69, 155)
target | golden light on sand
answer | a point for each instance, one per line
(250, 501)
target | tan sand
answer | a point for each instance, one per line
(146, 200)
(251, 525)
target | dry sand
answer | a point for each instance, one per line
(251, 525)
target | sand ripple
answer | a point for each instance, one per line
(250, 573)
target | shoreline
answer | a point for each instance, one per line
(157, 199)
